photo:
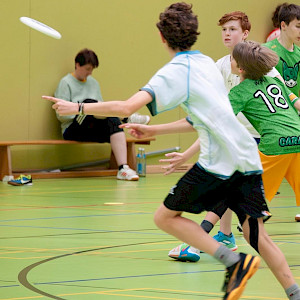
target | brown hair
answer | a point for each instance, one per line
(285, 12)
(179, 25)
(254, 59)
(87, 56)
(236, 16)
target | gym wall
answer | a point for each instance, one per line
(126, 40)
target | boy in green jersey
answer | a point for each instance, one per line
(288, 17)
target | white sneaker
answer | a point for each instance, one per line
(127, 174)
(184, 252)
(139, 119)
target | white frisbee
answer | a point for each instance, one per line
(41, 27)
(113, 203)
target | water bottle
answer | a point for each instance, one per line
(141, 162)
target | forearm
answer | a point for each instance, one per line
(118, 108)
(192, 150)
(180, 126)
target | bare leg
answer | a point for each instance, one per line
(212, 217)
(225, 222)
(272, 255)
(118, 146)
(185, 230)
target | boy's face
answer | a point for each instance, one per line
(232, 33)
(292, 30)
(82, 72)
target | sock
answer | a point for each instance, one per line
(293, 292)
(226, 256)
(120, 167)
(207, 226)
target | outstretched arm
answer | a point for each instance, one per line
(176, 159)
(105, 109)
(143, 131)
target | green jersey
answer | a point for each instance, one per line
(268, 105)
(288, 65)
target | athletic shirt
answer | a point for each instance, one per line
(232, 80)
(74, 90)
(193, 81)
(288, 65)
(268, 105)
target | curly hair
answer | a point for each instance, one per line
(179, 25)
(236, 16)
(254, 59)
(285, 12)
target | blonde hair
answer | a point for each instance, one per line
(254, 59)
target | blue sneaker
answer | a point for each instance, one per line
(184, 252)
(21, 180)
(226, 240)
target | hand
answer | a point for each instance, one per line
(139, 131)
(63, 107)
(175, 160)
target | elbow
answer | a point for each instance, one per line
(126, 112)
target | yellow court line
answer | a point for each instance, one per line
(115, 293)
(23, 298)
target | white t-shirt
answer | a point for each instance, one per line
(232, 80)
(193, 81)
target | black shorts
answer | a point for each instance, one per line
(93, 130)
(199, 191)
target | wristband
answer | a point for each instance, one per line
(80, 109)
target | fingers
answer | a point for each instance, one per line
(52, 99)
(171, 154)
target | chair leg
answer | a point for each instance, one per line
(5, 161)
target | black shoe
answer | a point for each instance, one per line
(237, 275)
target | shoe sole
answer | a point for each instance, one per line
(183, 259)
(237, 292)
(19, 184)
(133, 179)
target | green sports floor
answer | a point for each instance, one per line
(60, 240)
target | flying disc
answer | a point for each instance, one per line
(113, 203)
(41, 27)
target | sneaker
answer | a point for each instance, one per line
(228, 241)
(237, 275)
(21, 180)
(297, 218)
(127, 174)
(139, 119)
(184, 252)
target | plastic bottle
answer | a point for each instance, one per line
(141, 162)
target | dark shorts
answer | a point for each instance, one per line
(199, 191)
(93, 130)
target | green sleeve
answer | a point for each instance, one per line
(236, 100)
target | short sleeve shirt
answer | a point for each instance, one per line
(193, 81)
(268, 105)
(288, 65)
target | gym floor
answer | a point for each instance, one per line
(62, 239)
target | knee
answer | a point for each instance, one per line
(158, 219)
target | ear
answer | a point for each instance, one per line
(283, 25)
(245, 34)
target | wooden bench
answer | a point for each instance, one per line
(6, 165)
